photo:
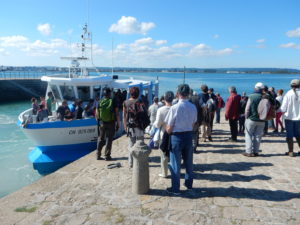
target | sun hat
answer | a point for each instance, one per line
(259, 85)
(295, 82)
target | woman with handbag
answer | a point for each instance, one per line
(160, 125)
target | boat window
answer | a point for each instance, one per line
(97, 91)
(67, 92)
(84, 93)
(55, 92)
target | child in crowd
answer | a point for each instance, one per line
(35, 106)
(279, 98)
(43, 101)
(42, 114)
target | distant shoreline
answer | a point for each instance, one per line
(46, 69)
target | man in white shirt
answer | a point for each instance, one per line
(291, 109)
(179, 123)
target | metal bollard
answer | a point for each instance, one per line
(140, 177)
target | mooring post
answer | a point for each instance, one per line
(140, 176)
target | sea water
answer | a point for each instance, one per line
(220, 82)
(16, 170)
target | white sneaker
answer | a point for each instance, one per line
(161, 175)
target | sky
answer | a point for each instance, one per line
(156, 33)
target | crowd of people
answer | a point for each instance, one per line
(73, 111)
(180, 119)
(176, 122)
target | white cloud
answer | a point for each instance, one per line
(3, 52)
(260, 43)
(44, 29)
(293, 33)
(130, 25)
(181, 45)
(40, 48)
(97, 50)
(260, 40)
(145, 49)
(149, 41)
(33, 48)
(216, 36)
(205, 50)
(13, 41)
(161, 42)
(141, 52)
(122, 46)
(290, 45)
(144, 41)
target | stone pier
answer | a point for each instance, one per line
(228, 189)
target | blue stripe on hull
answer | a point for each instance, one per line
(61, 124)
(47, 159)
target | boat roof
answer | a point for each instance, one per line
(95, 80)
(88, 80)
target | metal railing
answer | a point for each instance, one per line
(25, 75)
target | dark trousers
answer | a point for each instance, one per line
(242, 120)
(212, 121)
(233, 128)
(195, 141)
(218, 112)
(107, 132)
(266, 127)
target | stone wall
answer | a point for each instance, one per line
(19, 90)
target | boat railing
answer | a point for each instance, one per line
(28, 75)
(24, 115)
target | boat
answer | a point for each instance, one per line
(57, 142)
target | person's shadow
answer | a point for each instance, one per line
(231, 167)
(232, 192)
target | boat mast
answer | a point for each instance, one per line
(112, 56)
(184, 74)
(86, 36)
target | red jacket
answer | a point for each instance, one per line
(233, 106)
(221, 102)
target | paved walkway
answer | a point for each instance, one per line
(229, 189)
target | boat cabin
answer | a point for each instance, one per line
(88, 88)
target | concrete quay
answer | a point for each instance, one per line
(228, 189)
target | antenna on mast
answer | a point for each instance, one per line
(112, 56)
(88, 11)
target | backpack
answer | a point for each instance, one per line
(265, 110)
(195, 100)
(106, 111)
(277, 104)
(137, 115)
(222, 103)
(242, 106)
(207, 110)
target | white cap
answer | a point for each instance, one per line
(259, 85)
(295, 82)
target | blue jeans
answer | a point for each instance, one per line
(181, 146)
(292, 128)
